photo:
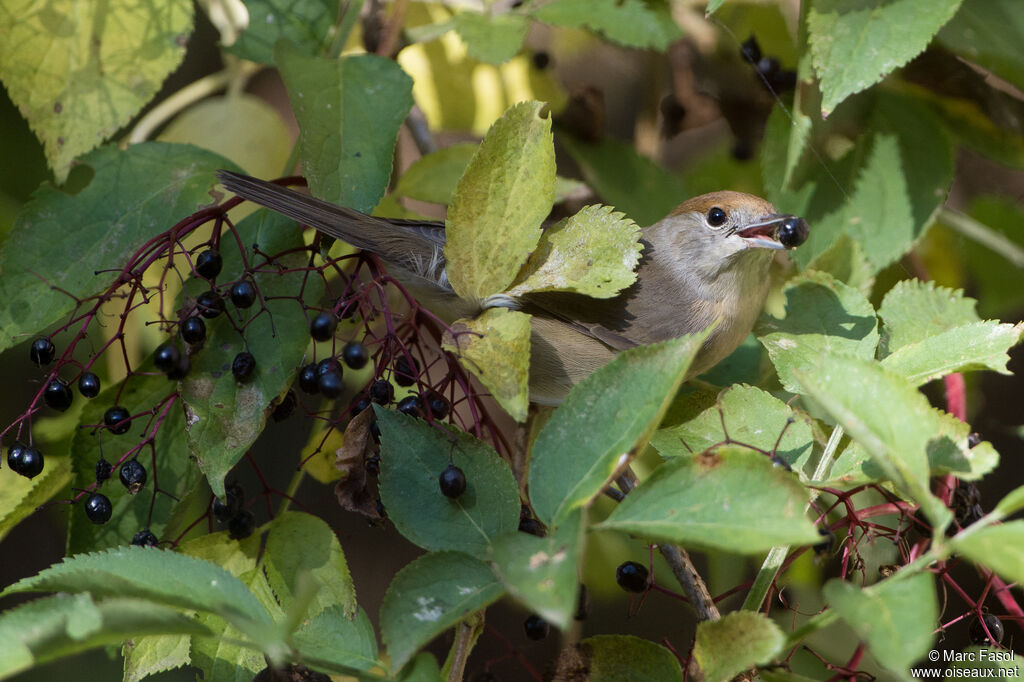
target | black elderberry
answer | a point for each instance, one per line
(828, 541)
(977, 632)
(234, 498)
(243, 294)
(438, 405)
(117, 419)
(308, 379)
(193, 330)
(180, 369)
(405, 374)
(382, 392)
(536, 627)
(132, 475)
(98, 508)
(631, 576)
(41, 351)
(532, 526)
(322, 327)
(209, 263)
(452, 481)
(166, 357)
(243, 366)
(89, 385)
(210, 304)
(103, 470)
(750, 50)
(57, 394)
(411, 405)
(359, 403)
(329, 365)
(25, 460)
(330, 384)
(355, 355)
(241, 525)
(582, 604)
(284, 409)
(145, 538)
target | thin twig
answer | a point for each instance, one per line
(682, 567)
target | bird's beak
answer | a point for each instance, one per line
(775, 232)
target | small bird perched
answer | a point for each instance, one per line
(706, 262)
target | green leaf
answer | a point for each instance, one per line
(982, 345)
(495, 346)
(434, 177)
(987, 32)
(507, 190)
(713, 6)
(856, 44)
(823, 316)
(895, 617)
(632, 23)
(752, 417)
(349, 111)
(80, 73)
(494, 38)
(430, 595)
(155, 184)
(610, 414)
(224, 417)
(740, 640)
(298, 543)
(423, 668)
(718, 500)
(594, 252)
(176, 474)
(623, 658)
(913, 311)
(151, 654)
(886, 415)
(631, 183)
(543, 573)
(306, 24)
(54, 627)
(1000, 548)
(845, 261)
(20, 497)
(413, 455)
(1013, 502)
(1000, 285)
(158, 575)
(336, 643)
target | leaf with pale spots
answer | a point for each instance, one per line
(496, 348)
(594, 252)
(430, 595)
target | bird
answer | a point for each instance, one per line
(706, 263)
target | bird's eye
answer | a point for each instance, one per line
(716, 217)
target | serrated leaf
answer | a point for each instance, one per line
(895, 617)
(913, 311)
(54, 627)
(823, 316)
(855, 45)
(298, 543)
(507, 190)
(336, 643)
(982, 345)
(718, 500)
(349, 111)
(434, 177)
(609, 414)
(67, 238)
(430, 595)
(494, 38)
(846, 262)
(631, 183)
(306, 24)
(413, 455)
(897, 437)
(752, 417)
(223, 416)
(724, 648)
(986, 32)
(632, 23)
(495, 346)
(79, 73)
(151, 654)
(594, 252)
(999, 547)
(622, 658)
(238, 126)
(177, 474)
(543, 573)
(158, 575)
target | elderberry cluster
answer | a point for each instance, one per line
(771, 74)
